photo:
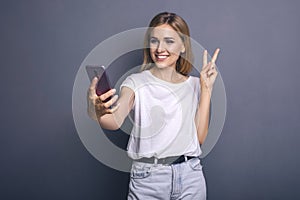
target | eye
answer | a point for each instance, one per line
(168, 41)
(153, 41)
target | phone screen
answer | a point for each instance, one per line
(103, 84)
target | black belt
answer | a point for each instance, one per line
(166, 161)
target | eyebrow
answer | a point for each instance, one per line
(164, 38)
(169, 38)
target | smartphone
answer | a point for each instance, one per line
(103, 84)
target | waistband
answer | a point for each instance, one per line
(166, 161)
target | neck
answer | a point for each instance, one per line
(168, 74)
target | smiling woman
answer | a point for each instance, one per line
(171, 114)
(165, 47)
(177, 31)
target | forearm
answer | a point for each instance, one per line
(114, 121)
(110, 121)
(113, 118)
(202, 115)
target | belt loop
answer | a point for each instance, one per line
(155, 160)
(185, 158)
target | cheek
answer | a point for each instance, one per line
(152, 55)
(152, 52)
(175, 55)
(175, 50)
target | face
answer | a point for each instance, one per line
(165, 46)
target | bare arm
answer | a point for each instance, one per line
(202, 116)
(109, 117)
(114, 120)
(208, 76)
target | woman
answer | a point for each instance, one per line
(171, 113)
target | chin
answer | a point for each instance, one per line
(161, 65)
(164, 63)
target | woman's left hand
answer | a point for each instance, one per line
(209, 72)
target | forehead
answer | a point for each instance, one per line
(164, 30)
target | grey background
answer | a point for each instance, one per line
(44, 42)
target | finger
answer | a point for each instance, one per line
(92, 88)
(213, 66)
(114, 109)
(108, 94)
(213, 73)
(111, 102)
(215, 56)
(98, 100)
(206, 68)
(204, 58)
(210, 72)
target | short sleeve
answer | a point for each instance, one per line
(128, 82)
(196, 86)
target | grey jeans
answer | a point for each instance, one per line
(167, 182)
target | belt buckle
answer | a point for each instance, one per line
(179, 159)
(170, 160)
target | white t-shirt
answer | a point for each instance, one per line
(164, 116)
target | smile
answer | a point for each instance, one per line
(161, 57)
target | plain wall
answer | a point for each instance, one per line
(44, 42)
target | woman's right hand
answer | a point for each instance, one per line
(96, 105)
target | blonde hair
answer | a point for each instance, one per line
(183, 64)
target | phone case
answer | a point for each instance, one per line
(103, 84)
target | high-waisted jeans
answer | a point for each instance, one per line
(167, 182)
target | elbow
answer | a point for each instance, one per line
(201, 142)
(113, 126)
(202, 136)
(110, 127)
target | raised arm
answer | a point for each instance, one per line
(110, 114)
(208, 76)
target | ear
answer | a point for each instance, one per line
(183, 49)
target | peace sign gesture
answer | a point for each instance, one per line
(208, 73)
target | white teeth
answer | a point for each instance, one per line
(162, 56)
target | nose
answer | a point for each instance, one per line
(160, 47)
